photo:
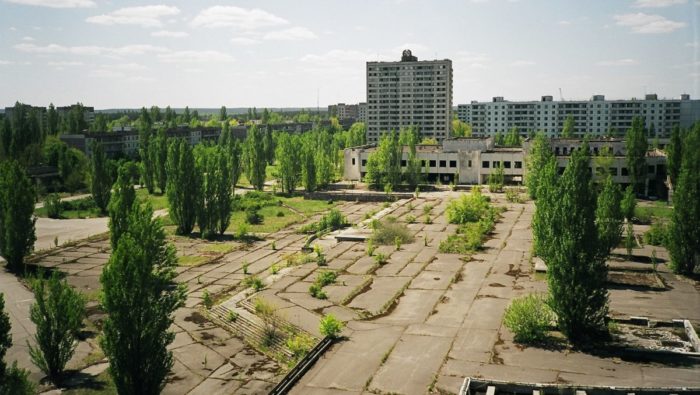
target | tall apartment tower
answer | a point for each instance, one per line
(409, 93)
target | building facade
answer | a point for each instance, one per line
(471, 160)
(409, 93)
(362, 112)
(596, 116)
(344, 111)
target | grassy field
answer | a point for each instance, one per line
(158, 202)
(272, 220)
(307, 207)
(658, 210)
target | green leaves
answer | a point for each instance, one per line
(58, 315)
(100, 183)
(636, 145)
(17, 197)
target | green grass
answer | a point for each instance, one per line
(307, 207)
(101, 385)
(221, 248)
(158, 202)
(191, 260)
(658, 210)
(271, 222)
(70, 214)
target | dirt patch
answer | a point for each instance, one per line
(635, 279)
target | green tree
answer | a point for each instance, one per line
(603, 162)
(497, 178)
(546, 191)
(223, 117)
(576, 270)
(217, 194)
(17, 221)
(100, 123)
(413, 172)
(461, 129)
(160, 158)
(183, 186)
(288, 153)
(513, 139)
(308, 164)
(155, 114)
(567, 131)
(269, 145)
(120, 205)
(186, 116)
(52, 120)
(674, 154)
(609, 216)
(58, 314)
(256, 158)
(636, 145)
(100, 183)
(145, 151)
(140, 298)
(13, 380)
(540, 153)
(629, 203)
(684, 237)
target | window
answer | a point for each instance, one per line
(518, 164)
(403, 163)
(485, 164)
(364, 162)
(506, 164)
(613, 171)
(453, 163)
(432, 163)
(443, 163)
(651, 169)
(469, 163)
(624, 171)
(353, 161)
(495, 164)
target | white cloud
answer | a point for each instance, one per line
(65, 63)
(13, 29)
(293, 33)
(340, 57)
(648, 24)
(693, 45)
(55, 3)
(241, 18)
(617, 62)
(168, 33)
(244, 41)
(146, 16)
(523, 63)
(657, 3)
(564, 23)
(135, 49)
(27, 38)
(474, 60)
(207, 56)
(6, 62)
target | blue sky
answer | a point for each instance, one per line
(283, 53)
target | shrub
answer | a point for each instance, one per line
(274, 269)
(300, 345)
(397, 243)
(513, 196)
(317, 292)
(320, 257)
(332, 221)
(330, 326)
(326, 277)
(468, 208)
(252, 216)
(58, 315)
(280, 213)
(254, 282)
(427, 209)
(529, 318)
(410, 219)
(207, 300)
(232, 316)
(386, 232)
(427, 220)
(242, 231)
(380, 258)
(657, 235)
(53, 206)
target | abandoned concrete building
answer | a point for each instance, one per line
(470, 161)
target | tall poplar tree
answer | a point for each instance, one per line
(636, 145)
(540, 153)
(609, 215)
(256, 160)
(183, 186)
(17, 221)
(685, 232)
(140, 298)
(674, 154)
(289, 158)
(161, 159)
(120, 204)
(100, 182)
(576, 270)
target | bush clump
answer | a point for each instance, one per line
(53, 206)
(331, 326)
(468, 208)
(529, 318)
(388, 231)
(300, 345)
(332, 221)
(477, 219)
(324, 278)
(657, 235)
(252, 215)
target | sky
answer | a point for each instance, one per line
(300, 53)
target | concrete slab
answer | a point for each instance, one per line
(431, 280)
(382, 291)
(413, 307)
(407, 371)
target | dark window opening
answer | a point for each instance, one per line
(443, 163)
(453, 163)
(485, 164)
(518, 164)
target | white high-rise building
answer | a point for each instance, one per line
(596, 116)
(409, 93)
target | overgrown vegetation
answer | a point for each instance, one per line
(657, 235)
(476, 217)
(529, 318)
(323, 278)
(332, 221)
(331, 326)
(389, 231)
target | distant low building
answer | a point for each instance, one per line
(344, 111)
(88, 112)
